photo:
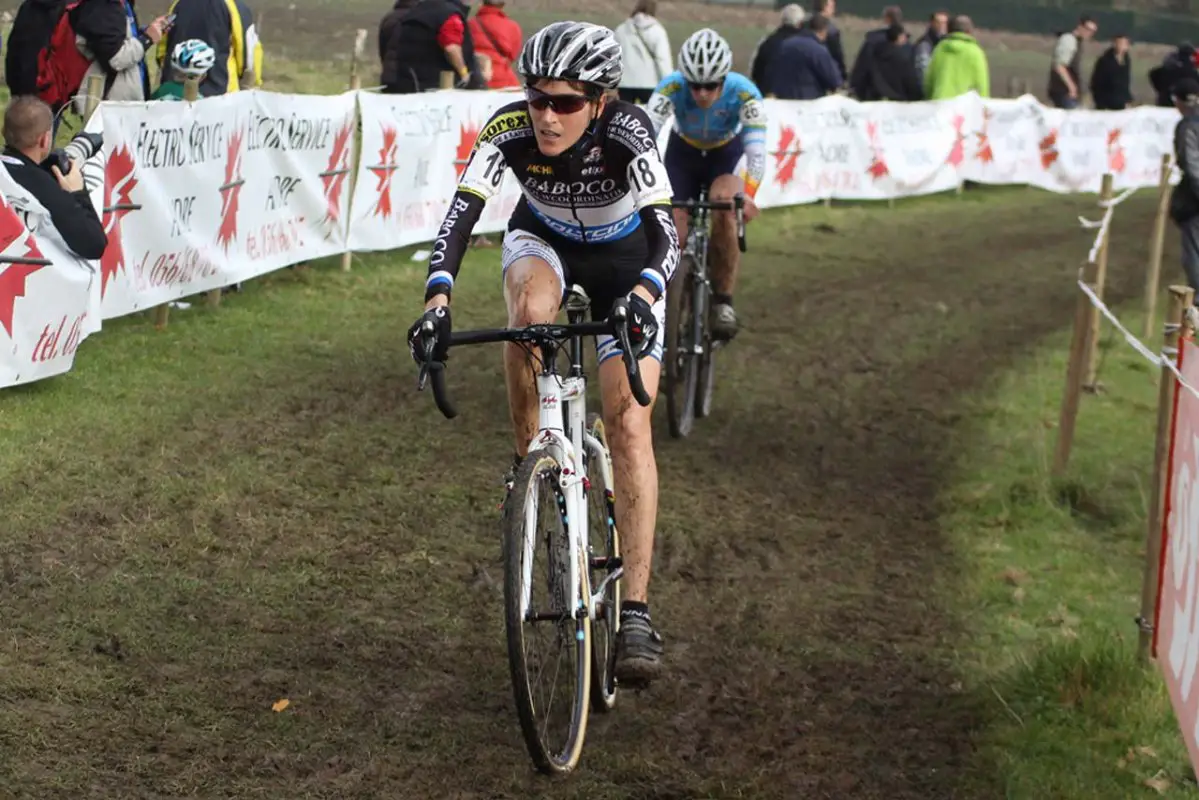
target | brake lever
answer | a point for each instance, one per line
(423, 376)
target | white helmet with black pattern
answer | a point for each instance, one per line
(573, 51)
(705, 57)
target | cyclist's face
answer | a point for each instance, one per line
(560, 113)
(705, 94)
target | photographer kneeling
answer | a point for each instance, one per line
(30, 161)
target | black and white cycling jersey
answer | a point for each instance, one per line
(611, 186)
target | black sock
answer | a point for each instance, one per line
(725, 299)
(631, 608)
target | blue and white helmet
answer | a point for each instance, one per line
(193, 57)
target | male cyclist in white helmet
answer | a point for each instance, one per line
(718, 118)
(595, 211)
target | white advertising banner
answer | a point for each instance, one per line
(49, 301)
(196, 196)
(414, 149)
(839, 148)
(199, 196)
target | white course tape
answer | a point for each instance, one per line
(1155, 359)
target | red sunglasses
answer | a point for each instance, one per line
(561, 103)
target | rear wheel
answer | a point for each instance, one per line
(604, 556)
(681, 375)
(549, 650)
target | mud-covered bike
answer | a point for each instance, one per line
(561, 509)
(688, 377)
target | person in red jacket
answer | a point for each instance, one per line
(497, 36)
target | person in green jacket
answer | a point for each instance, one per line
(958, 64)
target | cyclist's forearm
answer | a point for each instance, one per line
(755, 159)
(663, 241)
(452, 240)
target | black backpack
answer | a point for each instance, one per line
(31, 33)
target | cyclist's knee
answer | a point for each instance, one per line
(724, 187)
(629, 429)
(533, 292)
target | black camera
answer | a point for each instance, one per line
(80, 148)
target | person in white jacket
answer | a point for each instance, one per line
(646, 52)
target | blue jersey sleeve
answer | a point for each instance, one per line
(752, 117)
(667, 99)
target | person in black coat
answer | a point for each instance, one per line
(1111, 79)
(767, 50)
(890, 73)
(1174, 67)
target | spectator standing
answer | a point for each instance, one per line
(892, 15)
(804, 69)
(1174, 67)
(497, 37)
(832, 37)
(109, 35)
(1111, 79)
(958, 65)
(228, 27)
(428, 39)
(28, 139)
(1184, 201)
(645, 48)
(922, 53)
(1065, 74)
(759, 63)
(891, 75)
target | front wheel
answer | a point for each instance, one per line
(604, 557)
(549, 632)
(681, 376)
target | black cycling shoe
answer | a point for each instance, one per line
(638, 651)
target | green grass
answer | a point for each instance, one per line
(1054, 582)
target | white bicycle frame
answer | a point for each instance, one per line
(554, 391)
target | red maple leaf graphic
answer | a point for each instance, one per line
(878, 167)
(119, 182)
(878, 163)
(231, 191)
(985, 154)
(334, 176)
(466, 143)
(785, 158)
(13, 276)
(958, 152)
(1115, 153)
(1048, 147)
(384, 170)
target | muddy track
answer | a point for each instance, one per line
(322, 534)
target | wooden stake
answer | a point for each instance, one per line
(1074, 374)
(355, 85)
(1156, 244)
(447, 79)
(95, 93)
(1181, 297)
(1092, 362)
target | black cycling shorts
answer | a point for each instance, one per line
(606, 271)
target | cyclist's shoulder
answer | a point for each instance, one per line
(672, 86)
(627, 128)
(509, 122)
(740, 88)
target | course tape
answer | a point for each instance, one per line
(1156, 359)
